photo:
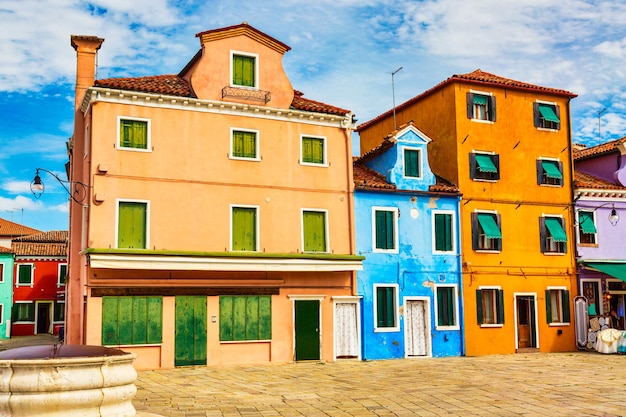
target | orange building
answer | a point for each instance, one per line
(507, 145)
(219, 223)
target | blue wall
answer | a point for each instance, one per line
(6, 293)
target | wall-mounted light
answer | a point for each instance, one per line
(613, 216)
(78, 191)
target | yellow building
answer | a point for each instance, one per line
(507, 145)
(218, 226)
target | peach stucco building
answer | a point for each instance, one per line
(506, 144)
(219, 225)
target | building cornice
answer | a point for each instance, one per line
(136, 98)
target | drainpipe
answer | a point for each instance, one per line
(459, 262)
(350, 187)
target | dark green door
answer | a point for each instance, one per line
(190, 344)
(307, 326)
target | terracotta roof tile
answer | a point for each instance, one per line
(52, 243)
(5, 250)
(171, 85)
(478, 77)
(301, 103)
(368, 179)
(584, 180)
(10, 229)
(444, 186)
(581, 153)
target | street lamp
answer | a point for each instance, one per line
(613, 216)
(79, 189)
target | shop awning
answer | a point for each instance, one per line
(489, 225)
(547, 112)
(551, 170)
(485, 164)
(614, 269)
(556, 230)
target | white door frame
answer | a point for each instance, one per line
(427, 323)
(347, 300)
(535, 325)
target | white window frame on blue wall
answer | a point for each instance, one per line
(420, 163)
(453, 230)
(455, 298)
(394, 211)
(396, 308)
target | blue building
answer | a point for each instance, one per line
(407, 227)
(6, 291)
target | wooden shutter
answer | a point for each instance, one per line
(565, 301)
(496, 161)
(475, 231)
(243, 71)
(25, 274)
(314, 230)
(539, 171)
(499, 241)
(384, 230)
(244, 229)
(542, 234)
(443, 232)
(226, 318)
(500, 306)
(110, 320)
(411, 163)
(479, 307)
(472, 165)
(536, 115)
(548, 307)
(154, 326)
(470, 105)
(385, 306)
(492, 108)
(265, 317)
(557, 110)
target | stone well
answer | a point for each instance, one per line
(67, 380)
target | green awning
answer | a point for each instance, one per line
(551, 169)
(555, 229)
(480, 100)
(489, 225)
(485, 164)
(614, 269)
(585, 220)
(547, 112)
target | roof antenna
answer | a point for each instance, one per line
(393, 93)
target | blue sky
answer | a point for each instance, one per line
(343, 53)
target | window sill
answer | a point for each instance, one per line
(453, 252)
(551, 185)
(444, 328)
(588, 245)
(312, 164)
(131, 345)
(486, 121)
(487, 251)
(545, 129)
(554, 253)
(122, 148)
(386, 329)
(484, 180)
(390, 251)
(492, 326)
(559, 324)
(243, 158)
(236, 342)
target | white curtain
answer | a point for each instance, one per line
(346, 332)
(415, 328)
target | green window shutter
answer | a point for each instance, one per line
(411, 163)
(132, 225)
(443, 232)
(244, 144)
(479, 307)
(385, 238)
(314, 225)
(500, 306)
(265, 317)
(25, 274)
(239, 318)
(140, 320)
(226, 319)
(134, 134)
(548, 307)
(385, 305)
(110, 321)
(155, 320)
(125, 320)
(445, 307)
(62, 273)
(243, 71)
(565, 300)
(244, 229)
(313, 150)
(252, 318)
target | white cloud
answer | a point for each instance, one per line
(16, 187)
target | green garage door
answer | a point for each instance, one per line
(191, 331)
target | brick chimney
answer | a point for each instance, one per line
(86, 48)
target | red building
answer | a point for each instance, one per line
(39, 292)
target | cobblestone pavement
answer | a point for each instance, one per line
(534, 384)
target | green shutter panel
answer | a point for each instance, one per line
(226, 318)
(131, 225)
(314, 231)
(500, 306)
(24, 275)
(125, 320)
(125, 133)
(110, 321)
(237, 70)
(548, 308)
(244, 229)
(140, 320)
(317, 146)
(265, 317)
(248, 71)
(479, 306)
(443, 232)
(249, 145)
(566, 313)
(238, 144)
(384, 230)
(252, 317)
(239, 318)
(389, 307)
(155, 320)
(140, 135)
(307, 151)
(492, 108)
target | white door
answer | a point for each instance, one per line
(416, 330)
(346, 331)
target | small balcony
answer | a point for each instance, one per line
(241, 93)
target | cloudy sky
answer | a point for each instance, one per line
(343, 53)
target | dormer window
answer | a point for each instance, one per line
(244, 70)
(412, 163)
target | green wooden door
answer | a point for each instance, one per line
(307, 328)
(190, 345)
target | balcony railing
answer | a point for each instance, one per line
(246, 94)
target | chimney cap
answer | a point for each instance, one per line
(86, 40)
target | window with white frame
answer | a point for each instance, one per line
(486, 231)
(25, 274)
(552, 235)
(490, 306)
(244, 69)
(386, 307)
(587, 232)
(244, 228)
(546, 115)
(481, 106)
(313, 150)
(443, 231)
(385, 229)
(62, 276)
(557, 305)
(244, 144)
(314, 230)
(23, 312)
(446, 307)
(550, 172)
(133, 133)
(132, 224)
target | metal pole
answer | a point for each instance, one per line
(393, 93)
(600, 114)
